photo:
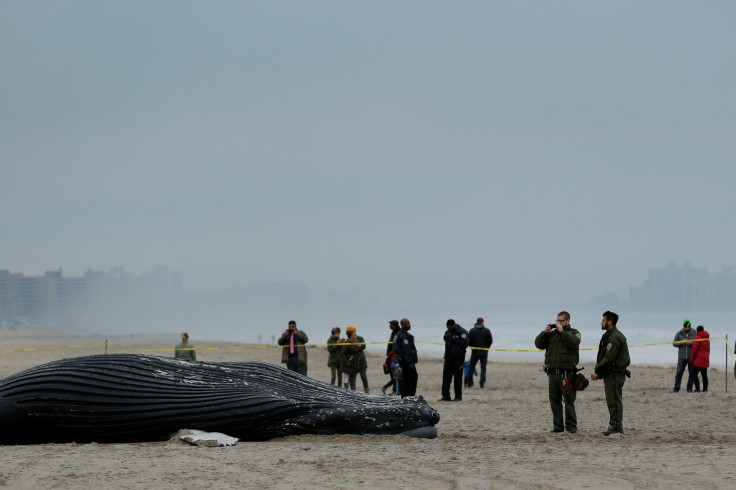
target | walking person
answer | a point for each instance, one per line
(390, 356)
(456, 342)
(700, 357)
(561, 344)
(612, 361)
(479, 340)
(406, 355)
(684, 344)
(294, 353)
(333, 357)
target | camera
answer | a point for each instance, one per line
(552, 327)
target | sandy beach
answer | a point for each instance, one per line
(497, 437)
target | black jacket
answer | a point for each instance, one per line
(480, 336)
(455, 343)
(404, 347)
(390, 345)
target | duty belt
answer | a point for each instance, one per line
(560, 371)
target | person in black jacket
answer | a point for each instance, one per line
(406, 354)
(456, 342)
(390, 356)
(479, 340)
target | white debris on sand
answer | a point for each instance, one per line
(207, 439)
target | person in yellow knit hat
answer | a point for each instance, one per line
(353, 360)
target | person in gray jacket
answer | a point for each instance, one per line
(684, 344)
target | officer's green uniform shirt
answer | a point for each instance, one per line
(613, 352)
(562, 348)
(185, 354)
(613, 359)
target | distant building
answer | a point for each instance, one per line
(96, 299)
(686, 286)
(149, 302)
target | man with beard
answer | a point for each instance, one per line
(613, 359)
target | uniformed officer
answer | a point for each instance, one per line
(613, 359)
(561, 343)
(406, 354)
(456, 342)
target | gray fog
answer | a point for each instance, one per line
(421, 154)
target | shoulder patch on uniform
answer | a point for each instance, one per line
(406, 341)
(463, 335)
(577, 335)
(609, 346)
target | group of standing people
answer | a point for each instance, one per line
(693, 353)
(559, 340)
(346, 358)
(561, 344)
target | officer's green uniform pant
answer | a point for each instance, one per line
(614, 383)
(561, 388)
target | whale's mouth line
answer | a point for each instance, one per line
(426, 432)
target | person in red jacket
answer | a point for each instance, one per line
(700, 356)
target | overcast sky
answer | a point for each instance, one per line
(425, 153)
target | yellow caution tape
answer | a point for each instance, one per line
(73, 346)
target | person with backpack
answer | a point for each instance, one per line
(406, 360)
(388, 365)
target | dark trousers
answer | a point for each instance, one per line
(391, 383)
(704, 373)
(350, 380)
(681, 365)
(613, 386)
(476, 356)
(408, 381)
(293, 364)
(453, 371)
(336, 376)
(364, 378)
(561, 388)
(692, 377)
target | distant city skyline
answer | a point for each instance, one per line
(117, 298)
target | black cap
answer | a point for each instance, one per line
(394, 323)
(450, 322)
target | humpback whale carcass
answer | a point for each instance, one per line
(130, 397)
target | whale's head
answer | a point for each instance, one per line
(320, 408)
